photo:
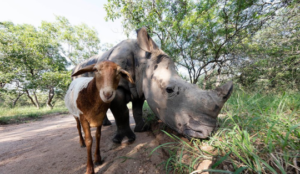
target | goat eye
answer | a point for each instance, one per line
(169, 90)
(97, 71)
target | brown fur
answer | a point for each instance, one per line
(90, 103)
(93, 108)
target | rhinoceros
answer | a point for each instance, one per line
(180, 105)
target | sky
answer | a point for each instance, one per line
(90, 12)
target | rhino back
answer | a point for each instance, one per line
(124, 55)
(85, 63)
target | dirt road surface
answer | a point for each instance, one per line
(51, 146)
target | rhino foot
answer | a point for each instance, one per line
(119, 136)
(142, 127)
(131, 137)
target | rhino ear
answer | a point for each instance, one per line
(145, 41)
(225, 91)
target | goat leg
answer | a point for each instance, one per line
(81, 140)
(97, 156)
(88, 142)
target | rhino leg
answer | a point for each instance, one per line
(121, 113)
(137, 108)
(106, 121)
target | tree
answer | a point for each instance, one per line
(199, 35)
(273, 55)
(79, 42)
(33, 60)
(26, 54)
(56, 83)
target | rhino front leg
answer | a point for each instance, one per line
(121, 113)
(137, 109)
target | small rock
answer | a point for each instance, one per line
(205, 164)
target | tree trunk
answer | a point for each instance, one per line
(207, 75)
(31, 99)
(36, 100)
(50, 97)
(205, 80)
(2, 84)
(218, 81)
(15, 101)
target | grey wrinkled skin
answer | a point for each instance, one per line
(182, 106)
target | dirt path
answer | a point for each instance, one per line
(52, 146)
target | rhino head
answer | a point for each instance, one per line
(181, 105)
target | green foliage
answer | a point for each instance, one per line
(58, 80)
(199, 35)
(33, 60)
(273, 60)
(26, 54)
(258, 133)
(79, 42)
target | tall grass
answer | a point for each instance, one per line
(260, 133)
(21, 114)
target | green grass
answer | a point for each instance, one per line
(148, 115)
(260, 133)
(21, 114)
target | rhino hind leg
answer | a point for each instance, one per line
(137, 108)
(106, 121)
(121, 113)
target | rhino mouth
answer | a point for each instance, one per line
(195, 134)
(202, 132)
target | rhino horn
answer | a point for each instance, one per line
(145, 41)
(225, 90)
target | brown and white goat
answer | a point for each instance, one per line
(88, 99)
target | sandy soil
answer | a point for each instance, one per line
(51, 145)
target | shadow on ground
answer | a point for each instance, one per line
(52, 146)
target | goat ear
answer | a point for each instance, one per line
(88, 68)
(126, 75)
(145, 41)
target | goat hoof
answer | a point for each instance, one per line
(90, 171)
(97, 163)
(82, 144)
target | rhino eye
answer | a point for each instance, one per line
(169, 90)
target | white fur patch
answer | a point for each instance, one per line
(72, 94)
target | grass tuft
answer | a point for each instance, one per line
(258, 133)
(23, 114)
